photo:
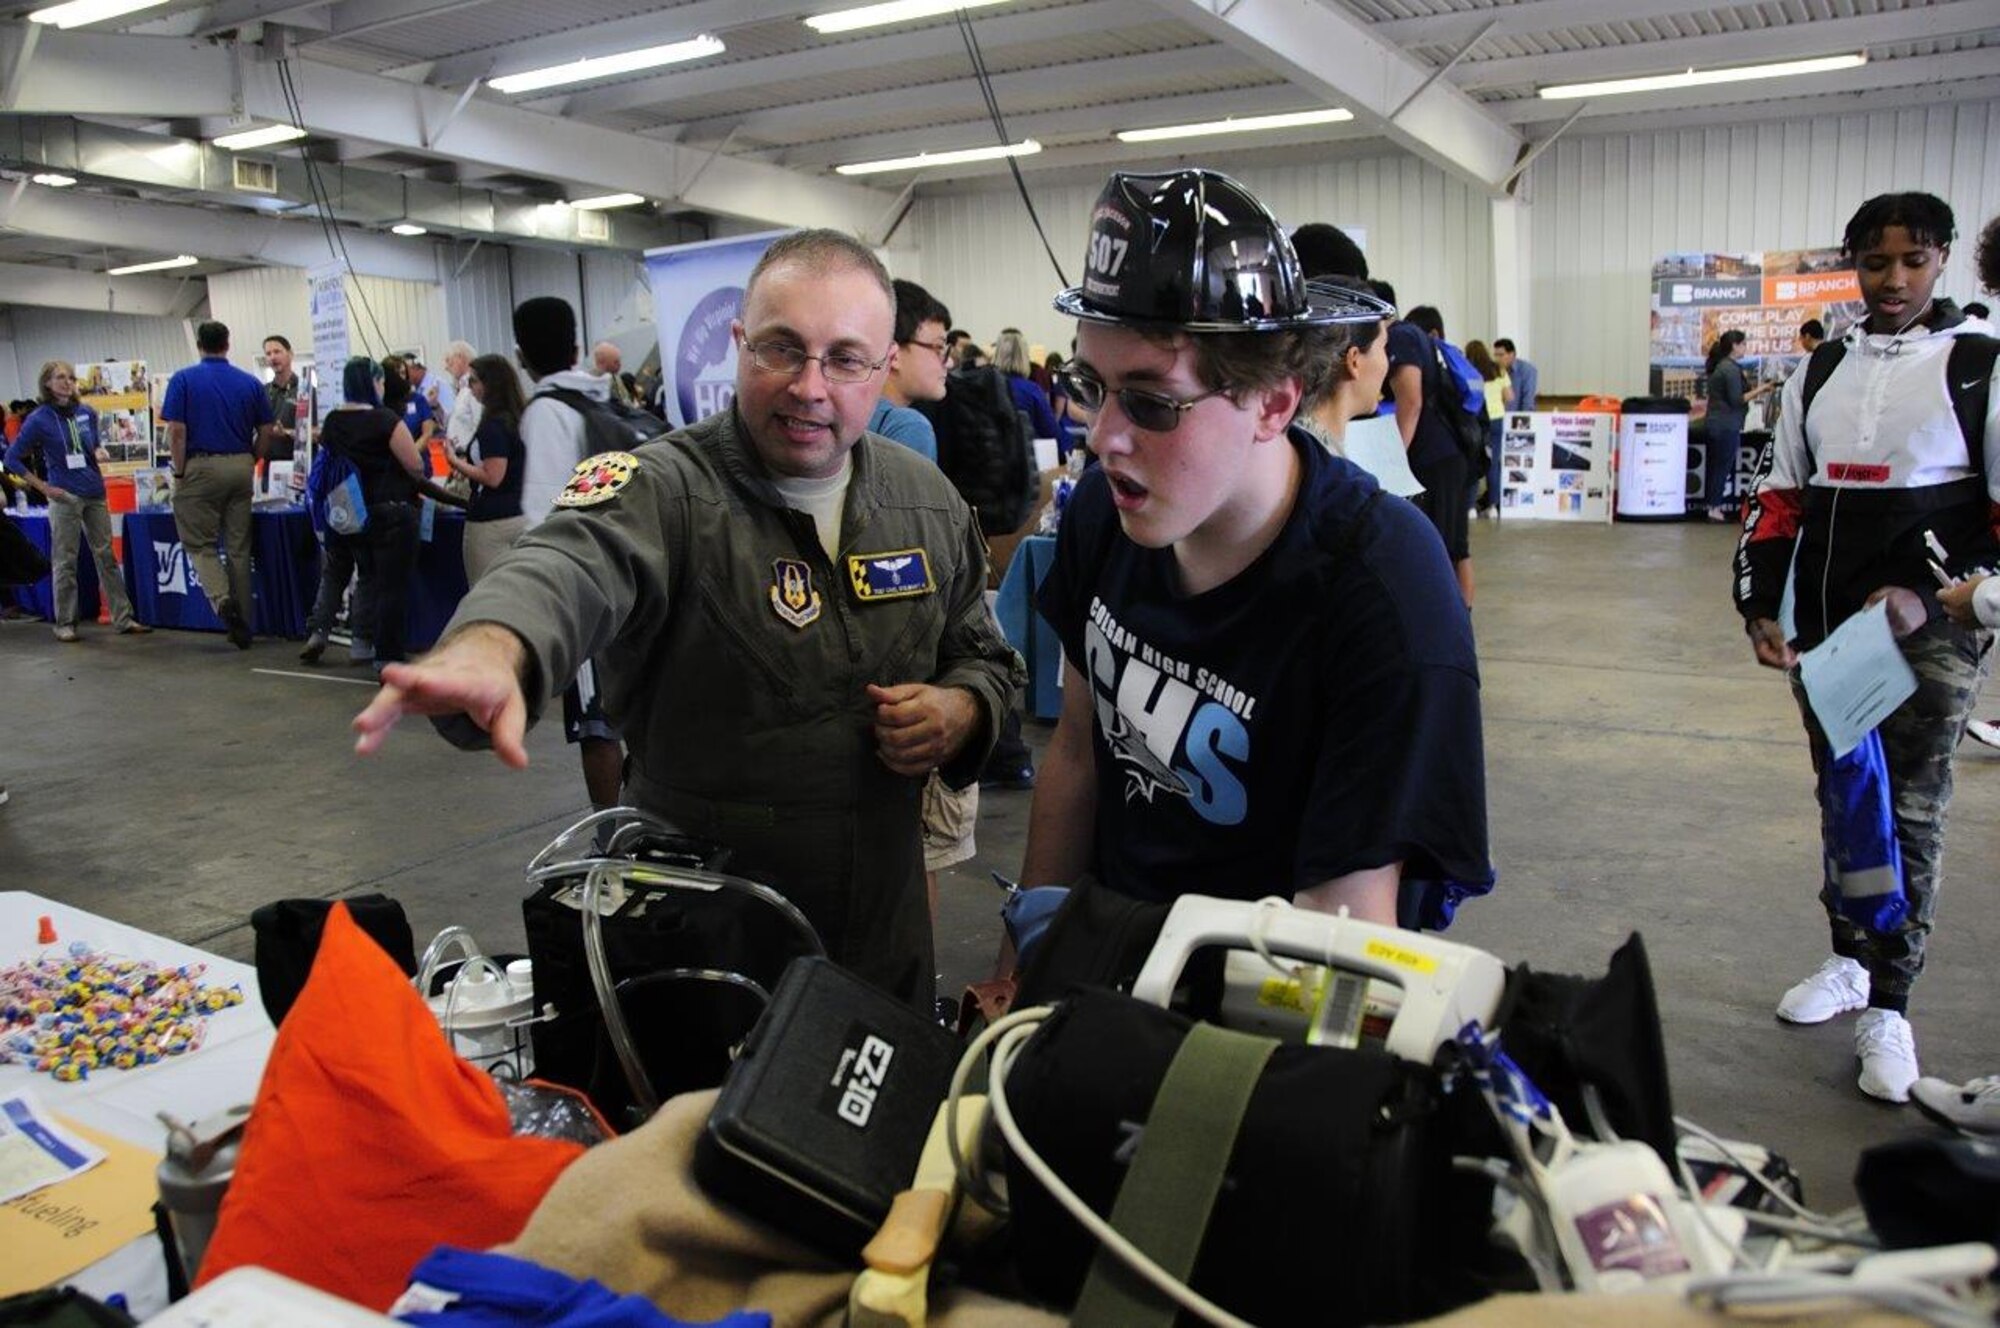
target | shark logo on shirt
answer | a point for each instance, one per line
(1170, 727)
(1145, 773)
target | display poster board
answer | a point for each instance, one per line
(1766, 295)
(697, 295)
(327, 303)
(121, 392)
(1556, 466)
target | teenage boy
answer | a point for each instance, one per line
(1270, 685)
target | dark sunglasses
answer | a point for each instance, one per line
(1154, 412)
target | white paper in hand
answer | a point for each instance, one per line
(1375, 445)
(1856, 678)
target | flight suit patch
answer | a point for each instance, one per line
(898, 574)
(598, 479)
(792, 595)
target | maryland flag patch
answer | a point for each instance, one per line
(898, 574)
(598, 479)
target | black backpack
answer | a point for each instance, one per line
(985, 449)
(608, 426)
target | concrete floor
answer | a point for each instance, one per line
(1643, 775)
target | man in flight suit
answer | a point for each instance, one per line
(789, 613)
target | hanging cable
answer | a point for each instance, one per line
(987, 95)
(323, 203)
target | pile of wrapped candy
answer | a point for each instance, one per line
(70, 1013)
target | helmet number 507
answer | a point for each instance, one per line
(1107, 253)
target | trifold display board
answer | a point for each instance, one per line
(121, 393)
(1556, 466)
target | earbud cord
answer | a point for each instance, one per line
(1895, 342)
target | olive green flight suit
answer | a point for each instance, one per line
(735, 656)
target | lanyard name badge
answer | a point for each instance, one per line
(76, 455)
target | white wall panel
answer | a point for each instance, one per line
(479, 297)
(384, 314)
(1427, 233)
(82, 337)
(387, 315)
(256, 302)
(1603, 208)
(615, 298)
(14, 385)
(545, 272)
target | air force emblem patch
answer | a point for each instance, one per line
(792, 595)
(898, 574)
(598, 479)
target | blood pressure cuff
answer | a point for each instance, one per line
(1339, 1191)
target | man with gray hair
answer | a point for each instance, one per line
(789, 614)
(463, 421)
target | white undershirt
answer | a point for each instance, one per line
(822, 500)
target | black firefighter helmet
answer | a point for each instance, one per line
(1194, 250)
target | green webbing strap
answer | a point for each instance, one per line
(1169, 1191)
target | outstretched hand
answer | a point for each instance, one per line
(919, 727)
(477, 672)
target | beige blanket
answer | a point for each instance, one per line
(629, 1214)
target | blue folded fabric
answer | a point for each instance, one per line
(455, 1288)
(1864, 861)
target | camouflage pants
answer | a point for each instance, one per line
(1918, 741)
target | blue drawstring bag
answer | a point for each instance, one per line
(1864, 861)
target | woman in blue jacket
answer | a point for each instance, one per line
(62, 431)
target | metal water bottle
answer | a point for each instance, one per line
(195, 1174)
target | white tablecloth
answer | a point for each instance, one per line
(125, 1103)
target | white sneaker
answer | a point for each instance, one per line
(1888, 1052)
(1840, 985)
(1974, 1106)
(1984, 731)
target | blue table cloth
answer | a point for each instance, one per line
(40, 598)
(284, 568)
(1027, 631)
(284, 572)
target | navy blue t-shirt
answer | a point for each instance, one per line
(497, 438)
(219, 403)
(1316, 715)
(1434, 441)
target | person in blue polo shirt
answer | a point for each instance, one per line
(218, 424)
(63, 433)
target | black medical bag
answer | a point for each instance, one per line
(1339, 1193)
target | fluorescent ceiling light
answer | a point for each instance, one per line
(54, 181)
(604, 66)
(408, 228)
(1694, 78)
(268, 136)
(895, 11)
(1027, 147)
(79, 12)
(1246, 124)
(157, 265)
(603, 201)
